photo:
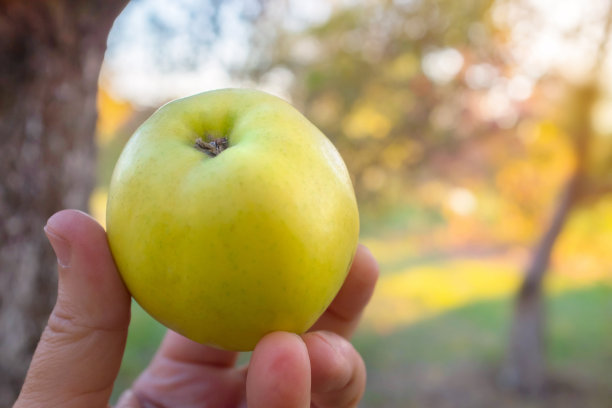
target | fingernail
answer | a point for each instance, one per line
(61, 247)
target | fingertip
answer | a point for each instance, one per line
(279, 372)
(90, 285)
(364, 274)
(367, 266)
(342, 315)
(61, 246)
(328, 359)
(82, 232)
(71, 223)
(338, 371)
(359, 285)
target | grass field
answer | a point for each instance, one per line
(453, 358)
(434, 335)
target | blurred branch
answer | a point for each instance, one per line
(603, 44)
(594, 192)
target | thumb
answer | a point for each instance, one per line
(79, 354)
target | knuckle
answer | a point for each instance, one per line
(62, 325)
(65, 325)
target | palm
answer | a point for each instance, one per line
(171, 382)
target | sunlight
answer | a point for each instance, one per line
(442, 66)
(422, 292)
(461, 201)
(112, 114)
(97, 205)
(366, 121)
(546, 34)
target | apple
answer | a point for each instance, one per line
(230, 216)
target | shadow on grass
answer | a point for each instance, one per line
(452, 360)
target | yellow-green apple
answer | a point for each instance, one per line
(230, 216)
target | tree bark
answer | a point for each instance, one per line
(50, 53)
(525, 368)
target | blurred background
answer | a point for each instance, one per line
(478, 134)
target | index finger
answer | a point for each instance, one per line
(176, 347)
(342, 315)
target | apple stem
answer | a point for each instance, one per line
(212, 148)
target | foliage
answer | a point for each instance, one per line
(384, 82)
(434, 114)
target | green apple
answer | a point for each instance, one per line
(230, 216)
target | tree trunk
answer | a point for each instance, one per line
(50, 53)
(525, 368)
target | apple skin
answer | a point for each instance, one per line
(229, 248)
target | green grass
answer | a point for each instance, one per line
(579, 333)
(475, 332)
(414, 218)
(579, 342)
(580, 329)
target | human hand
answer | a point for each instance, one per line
(80, 351)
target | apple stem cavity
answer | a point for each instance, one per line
(212, 148)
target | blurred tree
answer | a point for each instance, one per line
(51, 53)
(525, 369)
(383, 79)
